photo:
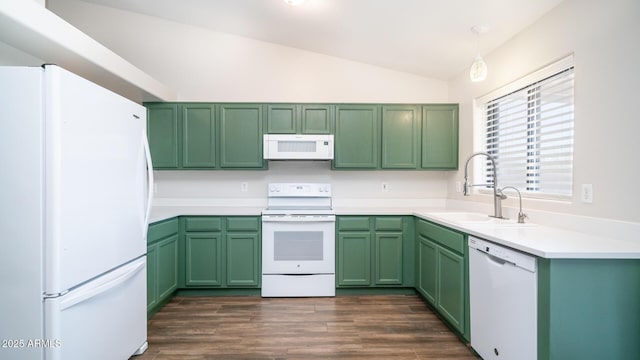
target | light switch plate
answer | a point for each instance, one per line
(587, 193)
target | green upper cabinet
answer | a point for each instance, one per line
(367, 136)
(400, 136)
(440, 137)
(357, 137)
(282, 118)
(163, 132)
(299, 119)
(198, 135)
(316, 119)
(241, 136)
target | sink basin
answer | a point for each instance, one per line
(471, 218)
(463, 217)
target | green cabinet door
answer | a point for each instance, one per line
(356, 137)
(440, 137)
(203, 263)
(152, 277)
(451, 277)
(243, 260)
(354, 258)
(427, 269)
(241, 136)
(198, 135)
(163, 134)
(282, 118)
(167, 266)
(317, 119)
(388, 264)
(400, 136)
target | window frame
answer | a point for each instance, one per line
(481, 123)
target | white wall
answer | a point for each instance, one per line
(603, 35)
(203, 65)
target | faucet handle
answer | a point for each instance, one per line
(521, 217)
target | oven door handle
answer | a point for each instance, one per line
(289, 218)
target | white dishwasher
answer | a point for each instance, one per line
(503, 301)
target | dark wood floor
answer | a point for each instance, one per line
(344, 327)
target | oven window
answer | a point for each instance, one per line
(297, 245)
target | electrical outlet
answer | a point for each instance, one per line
(244, 187)
(385, 187)
(587, 193)
(458, 186)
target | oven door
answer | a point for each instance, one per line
(298, 244)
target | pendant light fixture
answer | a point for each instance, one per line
(478, 71)
(294, 2)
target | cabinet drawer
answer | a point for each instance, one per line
(388, 224)
(355, 223)
(251, 223)
(442, 235)
(162, 229)
(203, 224)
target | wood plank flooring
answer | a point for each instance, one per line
(345, 327)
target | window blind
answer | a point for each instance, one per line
(529, 132)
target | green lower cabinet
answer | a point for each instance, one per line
(220, 252)
(442, 268)
(152, 277)
(162, 264)
(203, 263)
(375, 251)
(588, 309)
(450, 282)
(427, 269)
(354, 259)
(243, 260)
(388, 264)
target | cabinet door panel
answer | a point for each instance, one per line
(198, 136)
(282, 119)
(152, 276)
(243, 267)
(354, 258)
(428, 269)
(357, 137)
(167, 267)
(316, 119)
(203, 259)
(400, 137)
(451, 287)
(163, 134)
(388, 258)
(241, 136)
(440, 137)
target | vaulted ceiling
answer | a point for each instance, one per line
(430, 38)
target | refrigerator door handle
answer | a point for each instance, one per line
(150, 183)
(120, 276)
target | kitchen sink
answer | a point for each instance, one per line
(471, 218)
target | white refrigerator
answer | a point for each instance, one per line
(75, 192)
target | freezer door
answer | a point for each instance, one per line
(96, 180)
(103, 319)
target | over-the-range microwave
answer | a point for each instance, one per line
(298, 147)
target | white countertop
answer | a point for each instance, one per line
(539, 240)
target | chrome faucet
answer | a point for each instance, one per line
(498, 196)
(521, 215)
